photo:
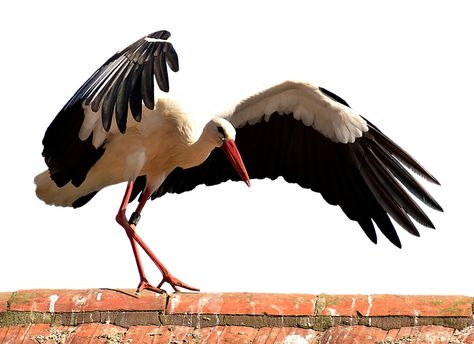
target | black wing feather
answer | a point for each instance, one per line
(147, 84)
(160, 70)
(395, 191)
(62, 150)
(110, 98)
(386, 200)
(125, 79)
(171, 57)
(354, 176)
(400, 154)
(122, 99)
(99, 88)
(136, 95)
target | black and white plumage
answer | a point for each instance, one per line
(303, 133)
(311, 137)
(126, 79)
(119, 87)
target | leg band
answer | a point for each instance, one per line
(134, 218)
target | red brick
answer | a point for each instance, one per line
(264, 305)
(434, 335)
(242, 303)
(4, 297)
(16, 334)
(98, 333)
(392, 335)
(267, 335)
(34, 300)
(262, 335)
(3, 332)
(384, 305)
(46, 300)
(406, 333)
(208, 334)
(295, 335)
(237, 335)
(238, 303)
(181, 334)
(353, 335)
(341, 305)
(161, 335)
(142, 334)
(7, 333)
(85, 332)
(309, 335)
(36, 333)
(335, 334)
(61, 334)
(362, 334)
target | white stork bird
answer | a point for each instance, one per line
(303, 133)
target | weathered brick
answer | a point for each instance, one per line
(385, 305)
(141, 334)
(296, 335)
(99, 333)
(16, 334)
(37, 333)
(3, 333)
(469, 339)
(262, 335)
(51, 300)
(341, 305)
(406, 333)
(353, 335)
(424, 305)
(209, 334)
(391, 335)
(238, 335)
(99, 316)
(242, 303)
(4, 298)
(434, 334)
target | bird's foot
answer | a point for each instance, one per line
(170, 279)
(145, 285)
(175, 283)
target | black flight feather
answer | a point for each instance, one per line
(352, 175)
(364, 178)
(103, 87)
(62, 151)
(124, 80)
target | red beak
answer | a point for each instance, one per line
(232, 153)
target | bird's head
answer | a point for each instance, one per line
(224, 133)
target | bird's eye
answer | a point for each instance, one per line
(222, 132)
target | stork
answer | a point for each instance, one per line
(112, 131)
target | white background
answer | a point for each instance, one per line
(405, 65)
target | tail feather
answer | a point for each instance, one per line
(65, 196)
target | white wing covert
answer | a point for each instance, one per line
(310, 136)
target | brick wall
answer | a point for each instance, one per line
(120, 316)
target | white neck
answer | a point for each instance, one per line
(198, 151)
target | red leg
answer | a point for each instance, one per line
(144, 284)
(134, 239)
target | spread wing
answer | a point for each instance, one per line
(311, 137)
(74, 141)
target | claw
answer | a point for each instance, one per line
(175, 283)
(129, 227)
(144, 284)
(170, 279)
